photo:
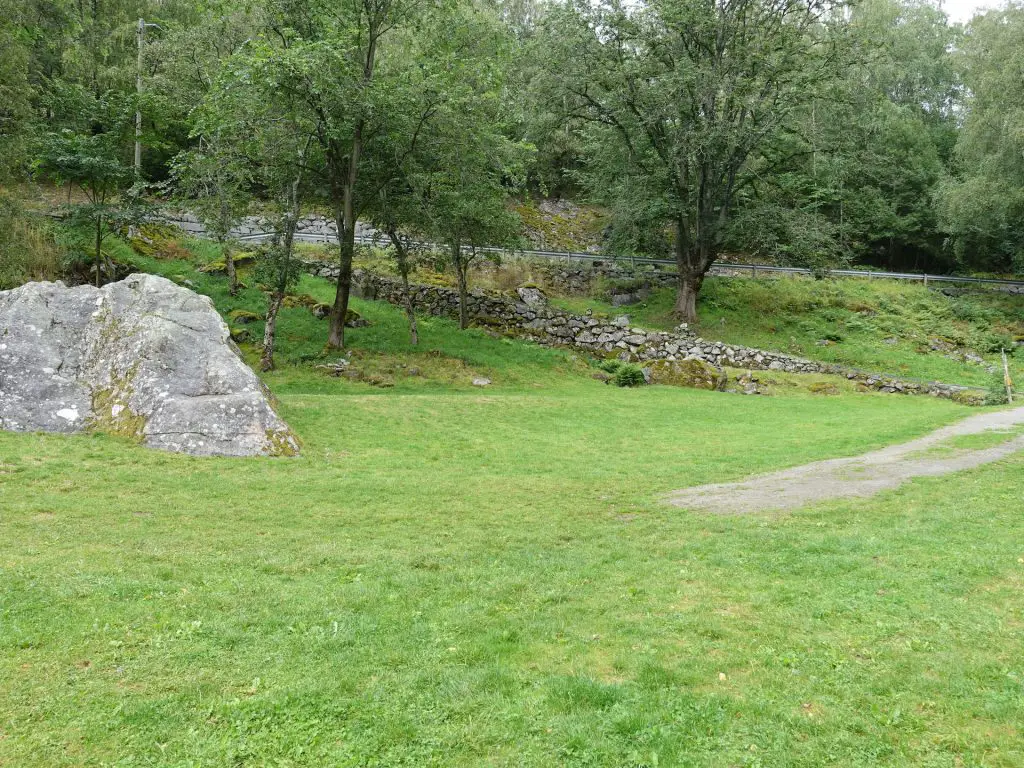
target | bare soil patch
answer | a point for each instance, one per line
(863, 475)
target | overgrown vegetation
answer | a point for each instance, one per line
(27, 247)
(876, 325)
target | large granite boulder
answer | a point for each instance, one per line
(142, 357)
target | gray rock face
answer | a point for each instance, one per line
(532, 297)
(142, 357)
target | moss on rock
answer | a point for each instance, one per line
(244, 316)
(691, 372)
(111, 412)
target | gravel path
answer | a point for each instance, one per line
(863, 475)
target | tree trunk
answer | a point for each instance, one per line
(277, 297)
(346, 251)
(345, 218)
(229, 266)
(461, 268)
(270, 330)
(688, 288)
(98, 260)
(403, 269)
(345, 213)
(692, 264)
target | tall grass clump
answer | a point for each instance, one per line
(27, 248)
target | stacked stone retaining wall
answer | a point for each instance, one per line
(528, 315)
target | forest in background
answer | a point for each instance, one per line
(801, 132)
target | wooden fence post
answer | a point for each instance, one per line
(1006, 378)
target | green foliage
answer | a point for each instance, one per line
(983, 203)
(859, 172)
(92, 159)
(679, 99)
(629, 375)
(15, 90)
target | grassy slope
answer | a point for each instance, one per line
(450, 576)
(791, 315)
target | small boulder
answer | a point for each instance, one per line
(481, 382)
(244, 316)
(532, 296)
(300, 300)
(690, 372)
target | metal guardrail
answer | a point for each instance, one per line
(754, 269)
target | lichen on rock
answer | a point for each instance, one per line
(143, 358)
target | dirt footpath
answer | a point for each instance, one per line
(863, 475)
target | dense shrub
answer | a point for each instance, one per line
(629, 375)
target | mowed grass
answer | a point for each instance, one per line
(452, 576)
(489, 579)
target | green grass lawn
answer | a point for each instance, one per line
(452, 576)
(489, 579)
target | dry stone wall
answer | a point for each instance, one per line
(528, 315)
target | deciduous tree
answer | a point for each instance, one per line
(679, 96)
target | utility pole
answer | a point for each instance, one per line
(140, 34)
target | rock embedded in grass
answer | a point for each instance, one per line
(143, 358)
(689, 372)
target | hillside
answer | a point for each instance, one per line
(951, 335)
(318, 449)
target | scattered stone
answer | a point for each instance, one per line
(143, 358)
(337, 368)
